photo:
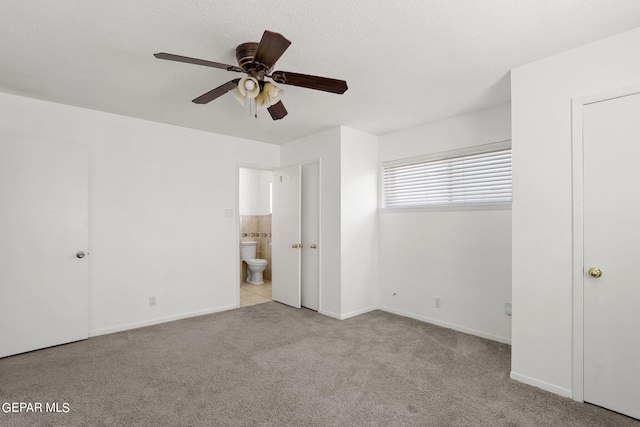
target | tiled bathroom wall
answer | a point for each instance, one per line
(256, 228)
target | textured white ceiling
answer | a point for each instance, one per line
(406, 62)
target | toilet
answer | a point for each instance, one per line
(255, 266)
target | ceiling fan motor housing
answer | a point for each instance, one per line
(245, 54)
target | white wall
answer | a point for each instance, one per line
(348, 230)
(542, 207)
(324, 146)
(157, 196)
(254, 191)
(463, 257)
(359, 225)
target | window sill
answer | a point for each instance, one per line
(451, 207)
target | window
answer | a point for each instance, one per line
(450, 179)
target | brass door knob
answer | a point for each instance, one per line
(595, 272)
(313, 246)
(294, 246)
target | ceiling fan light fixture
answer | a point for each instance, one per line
(274, 93)
(237, 95)
(262, 100)
(249, 87)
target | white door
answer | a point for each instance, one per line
(310, 221)
(611, 138)
(43, 218)
(285, 241)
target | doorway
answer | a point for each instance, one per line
(606, 244)
(254, 211)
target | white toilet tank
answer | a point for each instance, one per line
(249, 250)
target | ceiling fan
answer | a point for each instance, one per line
(257, 60)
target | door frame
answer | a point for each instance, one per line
(237, 220)
(577, 104)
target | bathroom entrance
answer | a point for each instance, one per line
(287, 214)
(254, 210)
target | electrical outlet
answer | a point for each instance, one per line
(228, 213)
(152, 301)
(438, 305)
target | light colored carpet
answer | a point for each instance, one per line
(271, 365)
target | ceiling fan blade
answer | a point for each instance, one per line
(311, 82)
(271, 48)
(277, 110)
(178, 58)
(217, 92)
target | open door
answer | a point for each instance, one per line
(286, 231)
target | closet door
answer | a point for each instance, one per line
(44, 272)
(286, 240)
(310, 236)
(611, 132)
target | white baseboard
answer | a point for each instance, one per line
(455, 327)
(357, 312)
(541, 384)
(330, 314)
(150, 322)
(347, 315)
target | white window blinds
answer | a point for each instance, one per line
(477, 178)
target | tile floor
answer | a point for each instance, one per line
(254, 294)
